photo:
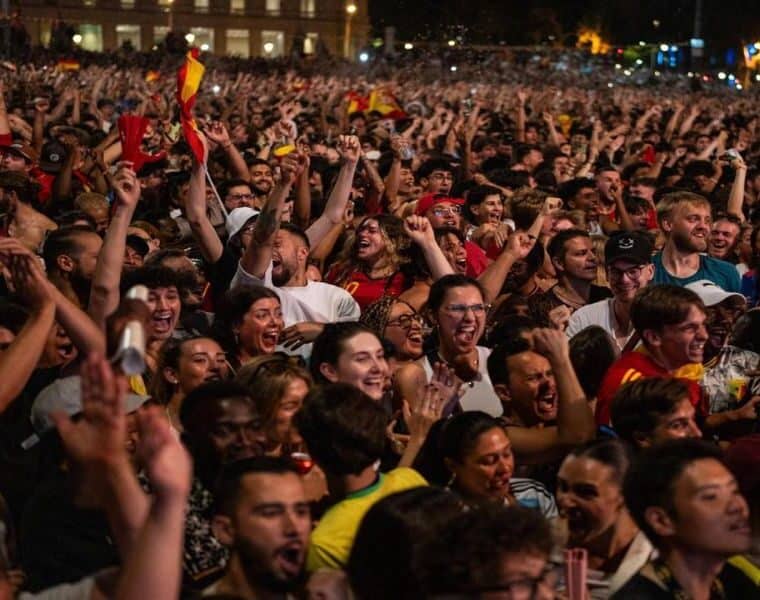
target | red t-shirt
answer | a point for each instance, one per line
(365, 290)
(630, 367)
(477, 261)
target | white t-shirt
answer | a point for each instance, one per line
(598, 313)
(316, 301)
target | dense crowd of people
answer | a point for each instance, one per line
(377, 336)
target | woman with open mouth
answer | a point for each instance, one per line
(458, 310)
(398, 323)
(250, 323)
(590, 500)
(471, 454)
(370, 266)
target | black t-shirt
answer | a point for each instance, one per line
(220, 274)
(61, 542)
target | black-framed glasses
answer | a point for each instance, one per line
(406, 321)
(632, 273)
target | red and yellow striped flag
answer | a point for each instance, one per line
(356, 102)
(152, 76)
(383, 101)
(68, 64)
(188, 81)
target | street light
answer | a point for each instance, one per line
(189, 38)
(77, 39)
(268, 47)
(408, 46)
(350, 12)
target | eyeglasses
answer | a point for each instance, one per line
(237, 197)
(526, 588)
(632, 273)
(461, 309)
(406, 321)
(442, 211)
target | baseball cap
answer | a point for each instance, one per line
(52, 157)
(64, 395)
(711, 293)
(138, 244)
(633, 246)
(237, 219)
(23, 150)
(427, 201)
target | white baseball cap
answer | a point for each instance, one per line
(65, 395)
(711, 293)
(237, 219)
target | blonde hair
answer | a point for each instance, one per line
(670, 202)
(598, 242)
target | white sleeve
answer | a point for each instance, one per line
(288, 304)
(575, 325)
(348, 308)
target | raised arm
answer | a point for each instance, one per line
(217, 132)
(5, 126)
(18, 361)
(350, 148)
(104, 296)
(258, 254)
(195, 209)
(575, 420)
(736, 197)
(153, 568)
(302, 202)
(492, 279)
(421, 233)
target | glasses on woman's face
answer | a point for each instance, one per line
(406, 321)
(460, 310)
(444, 211)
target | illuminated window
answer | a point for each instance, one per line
(128, 33)
(272, 43)
(239, 42)
(273, 7)
(92, 37)
(308, 8)
(310, 43)
(127, 4)
(204, 38)
(201, 6)
(237, 7)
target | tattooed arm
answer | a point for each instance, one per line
(258, 254)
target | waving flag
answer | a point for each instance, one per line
(131, 131)
(383, 101)
(357, 102)
(188, 81)
(151, 76)
(68, 64)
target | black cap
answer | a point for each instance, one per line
(52, 156)
(138, 244)
(633, 246)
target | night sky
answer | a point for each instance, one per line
(725, 22)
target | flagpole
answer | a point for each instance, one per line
(216, 193)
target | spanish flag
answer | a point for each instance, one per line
(152, 76)
(356, 102)
(68, 64)
(383, 101)
(188, 81)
